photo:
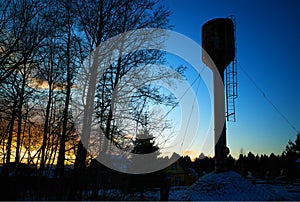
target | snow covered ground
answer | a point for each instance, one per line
(228, 186)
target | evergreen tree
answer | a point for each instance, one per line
(292, 152)
(144, 144)
(294, 147)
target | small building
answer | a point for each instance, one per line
(181, 175)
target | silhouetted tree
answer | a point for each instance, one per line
(72, 57)
(186, 160)
(204, 165)
(250, 162)
(241, 165)
(42, 43)
(292, 153)
(144, 143)
(100, 20)
(230, 163)
(294, 147)
(22, 31)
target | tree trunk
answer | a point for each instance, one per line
(62, 149)
(10, 135)
(45, 131)
(20, 113)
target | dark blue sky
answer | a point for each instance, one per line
(268, 49)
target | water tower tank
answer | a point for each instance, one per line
(218, 42)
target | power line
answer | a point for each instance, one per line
(185, 92)
(176, 104)
(269, 100)
(190, 116)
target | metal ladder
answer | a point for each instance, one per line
(231, 91)
(231, 83)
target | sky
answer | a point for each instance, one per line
(268, 48)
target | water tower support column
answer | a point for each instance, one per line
(221, 150)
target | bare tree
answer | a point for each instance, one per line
(42, 44)
(9, 103)
(101, 20)
(21, 33)
(72, 60)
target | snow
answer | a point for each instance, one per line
(225, 186)
(284, 192)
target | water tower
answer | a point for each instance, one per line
(218, 40)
